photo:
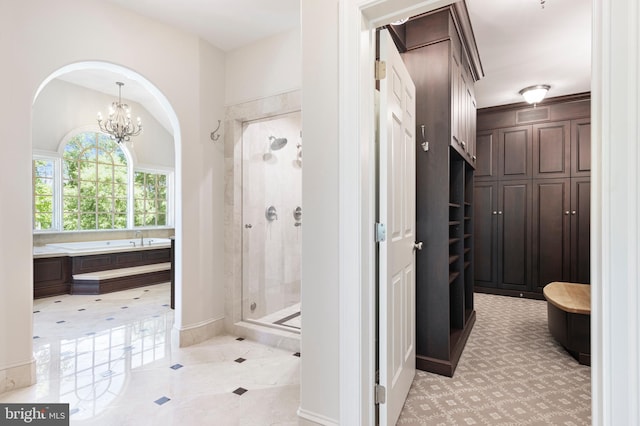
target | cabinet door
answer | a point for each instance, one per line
(456, 128)
(514, 235)
(487, 155)
(551, 150)
(580, 230)
(581, 147)
(551, 219)
(514, 153)
(485, 217)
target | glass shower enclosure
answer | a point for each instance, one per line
(272, 221)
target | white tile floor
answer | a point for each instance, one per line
(111, 358)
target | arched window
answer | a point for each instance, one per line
(94, 183)
(91, 185)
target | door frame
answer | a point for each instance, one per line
(615, 98)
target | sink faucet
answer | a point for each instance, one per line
(141, 237)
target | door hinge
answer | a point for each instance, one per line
(380, 394)
(381, 70)
(381, 232)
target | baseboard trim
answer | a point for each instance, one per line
(511, 293)
(198, 333)
(316, 418)
(18, 376)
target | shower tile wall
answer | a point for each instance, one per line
(271, 249)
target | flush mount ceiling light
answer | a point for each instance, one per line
(535, 94)
(119, 126)
(400, 21)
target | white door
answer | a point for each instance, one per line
(397, 211)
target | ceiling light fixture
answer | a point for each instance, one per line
(535, 94)
(400, 21)
(119, 126)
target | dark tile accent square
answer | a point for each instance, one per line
(110, 319)
(36, 337)
(240, 339)
(58, 301)
(124, 307)
(166, 304)
(176, 366)
(107, 373)
(97, 300)
(136, 298)
(81, 309)
(60, 322)
(240, 360)
(162, 400)
(128, 348)
(35, 312)
(297, 354)
(156, 316)
(73, 411)
(240, 391)
(146, 291)
(91, 333)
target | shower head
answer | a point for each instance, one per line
(277, 143)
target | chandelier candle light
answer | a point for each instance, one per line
(119, 126)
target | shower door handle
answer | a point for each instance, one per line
(417, 246)
(248, 226)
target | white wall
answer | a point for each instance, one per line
(40, 37)
(320, 373)
(268, 67)
(62, 107)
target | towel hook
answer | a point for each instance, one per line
(214, 136)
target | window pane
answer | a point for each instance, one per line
(88, 221)
(120, 221)
(70, 221)
(42, 221)
(70, 204)
(105, 204)
(43, 204)
(120, 205)
(162, 220)
(105, 221)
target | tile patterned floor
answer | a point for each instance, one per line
(512, 372)
(111, 358)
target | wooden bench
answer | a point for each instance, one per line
(120, 279)
(569, 317)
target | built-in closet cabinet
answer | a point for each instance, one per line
(443, 67)
(532, 197)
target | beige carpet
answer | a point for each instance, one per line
(512, 372)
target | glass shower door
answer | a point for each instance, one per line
(272, 220)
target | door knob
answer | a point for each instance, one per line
(417, 246)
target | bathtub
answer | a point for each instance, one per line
(111, 245)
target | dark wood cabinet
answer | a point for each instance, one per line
(51, 276)
(515, 153)
(514, 235)
(486, 151)
(581, 147)
(551, 229)
(580, 214)
(532, 214)
(439, 65)
(551, 150)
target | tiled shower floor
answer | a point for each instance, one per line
(111, 358)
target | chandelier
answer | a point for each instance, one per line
(119, 126)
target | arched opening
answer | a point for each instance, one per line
(94, 82)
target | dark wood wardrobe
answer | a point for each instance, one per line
(532, 196)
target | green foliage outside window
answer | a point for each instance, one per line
(150, 199)
(94, 183)
(43, 175)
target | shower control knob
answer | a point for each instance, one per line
(248, 226)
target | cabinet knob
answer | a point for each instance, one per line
(566, 212)
(573, 212)
(463, 144)
(495, 212)
(474, 158)
(500, 212)
(248, 226)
